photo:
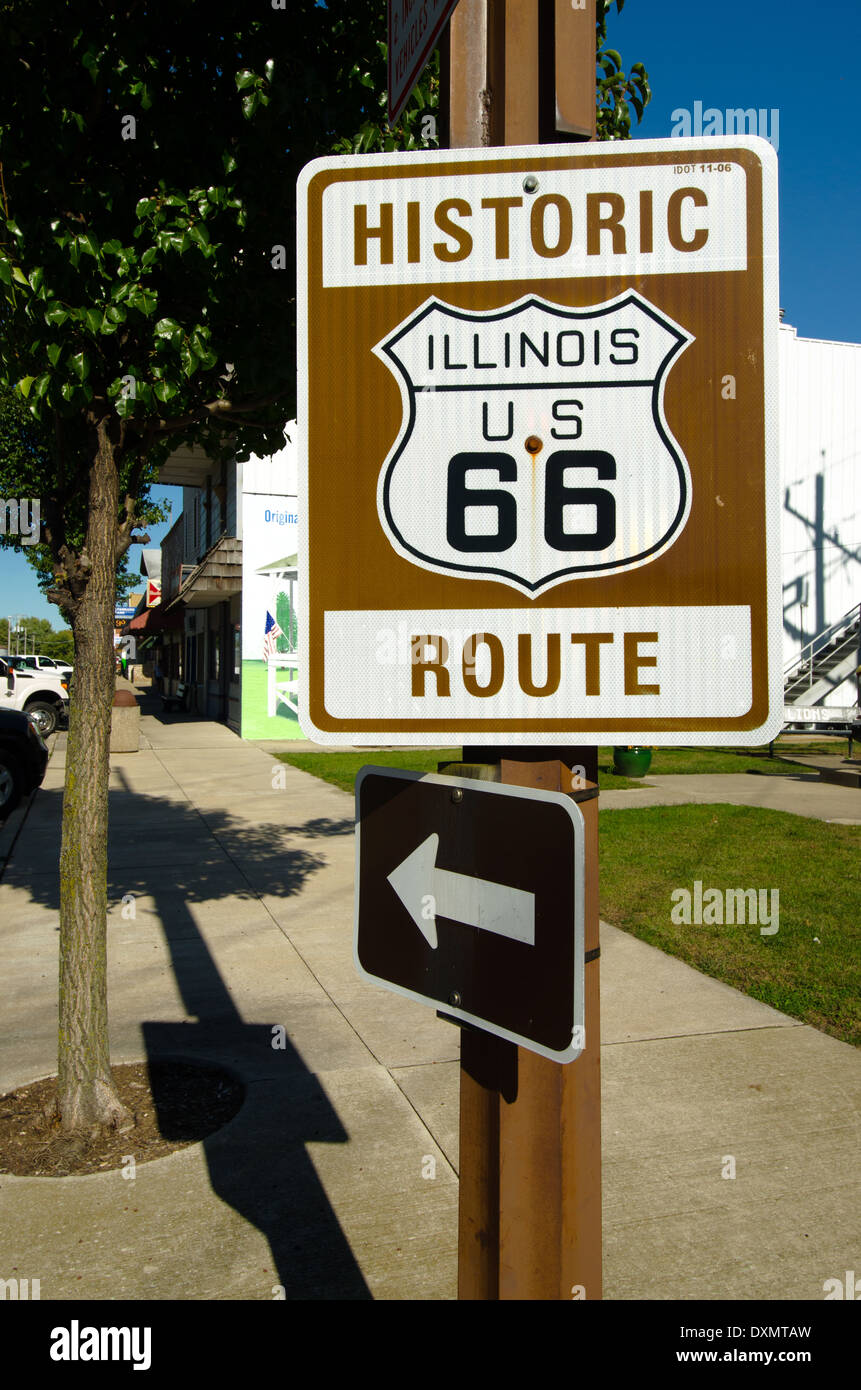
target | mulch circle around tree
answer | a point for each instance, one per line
(174, 1102)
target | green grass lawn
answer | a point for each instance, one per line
(837, 746)
(747, 760)
(341, 767)
(646, 854)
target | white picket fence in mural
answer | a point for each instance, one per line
(284, 692)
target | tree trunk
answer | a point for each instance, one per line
(87, 1096)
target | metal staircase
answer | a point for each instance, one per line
(818, 669)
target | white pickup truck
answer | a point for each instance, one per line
(48, 664)
(43, 697)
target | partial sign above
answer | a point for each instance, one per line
(575, 67)
(414, 30)
(469, 897)
(539, 387)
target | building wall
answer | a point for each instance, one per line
(172, 552)
(276, 474)
(820, 462)
(234, 656)
(215, 673)
(191, 512)
(269, 518)
(206, 650)
(231, 513)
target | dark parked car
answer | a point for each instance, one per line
(23, 758)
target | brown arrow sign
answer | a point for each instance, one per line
(469, 897)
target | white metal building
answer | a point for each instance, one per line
(820, 462)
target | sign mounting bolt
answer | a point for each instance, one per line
(454, 999)
(457, 794)
(530, 184)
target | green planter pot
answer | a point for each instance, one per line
(631, 762)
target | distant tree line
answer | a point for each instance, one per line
(41, 638)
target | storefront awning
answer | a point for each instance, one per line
(155, 620)
(215, 579)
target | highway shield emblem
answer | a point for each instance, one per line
(533, 447)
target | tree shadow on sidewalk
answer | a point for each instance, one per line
(259, 1163)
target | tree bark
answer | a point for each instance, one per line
(87, 1096)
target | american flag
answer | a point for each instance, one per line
(270, 637)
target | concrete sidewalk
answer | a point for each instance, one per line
(804, 795)
(238, 879)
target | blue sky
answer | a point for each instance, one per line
(781, 55)
(797, 59)
(19, 592)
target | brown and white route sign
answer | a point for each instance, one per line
(538, 428)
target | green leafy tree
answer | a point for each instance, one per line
(60, 645)
(617, 91)
(41, 638)
(38, 631)
(416, 127)
(285, 617)
(148, 165)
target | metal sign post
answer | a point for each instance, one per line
(530, 1128)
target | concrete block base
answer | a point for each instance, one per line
(125, 728)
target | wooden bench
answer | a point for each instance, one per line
(178, 699)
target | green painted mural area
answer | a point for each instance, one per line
(256, 721)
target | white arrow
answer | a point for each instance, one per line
(428, 892)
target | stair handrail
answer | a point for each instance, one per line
(800, 662)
